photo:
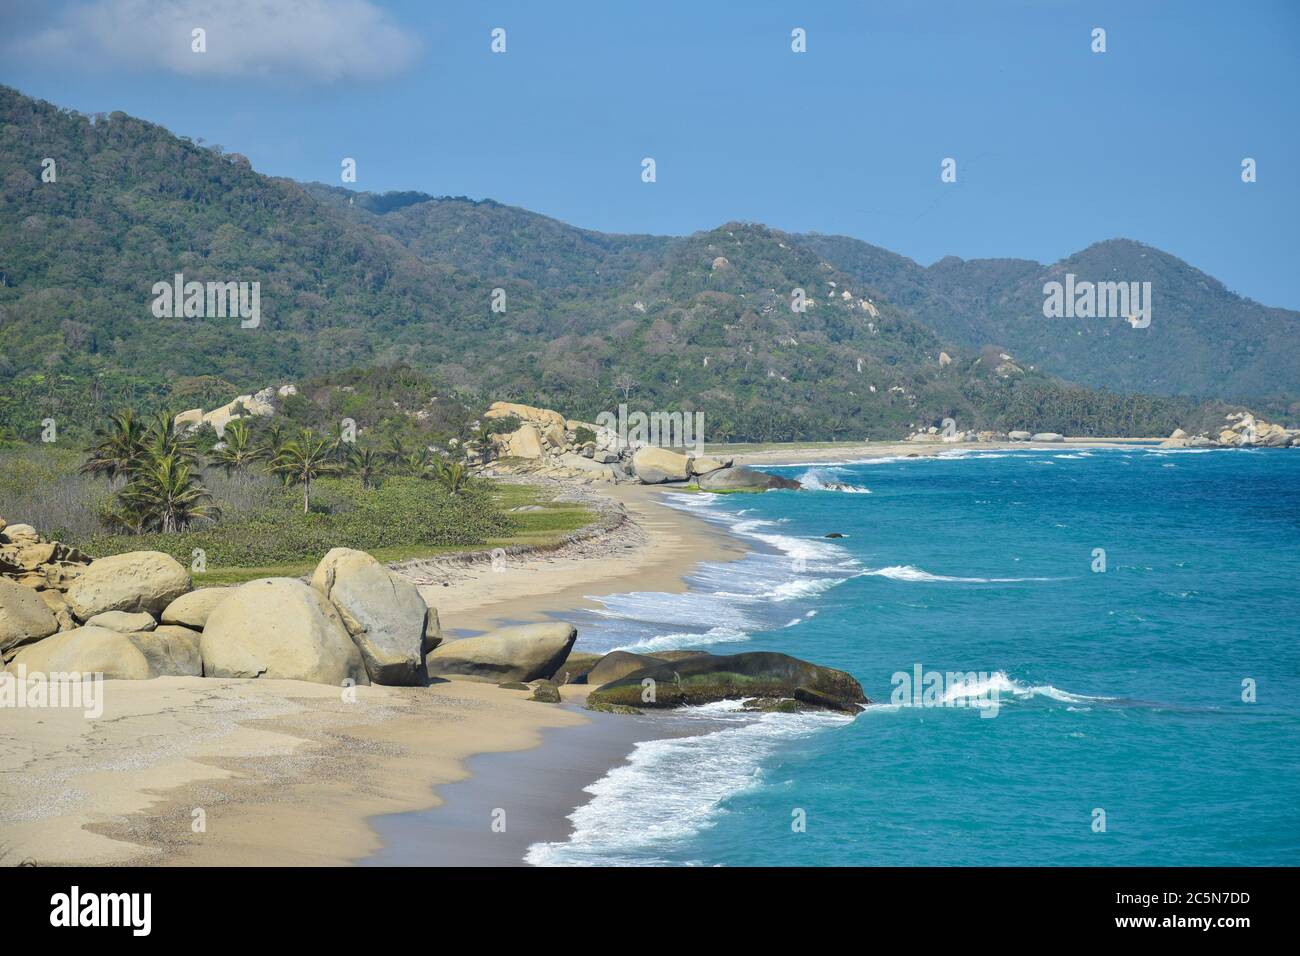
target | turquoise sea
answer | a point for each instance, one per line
(1117, 692)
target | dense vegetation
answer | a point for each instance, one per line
(372, 300)
(1203, 339)
(265, 495)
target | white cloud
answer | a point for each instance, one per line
(320, 40)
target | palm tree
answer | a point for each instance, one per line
(396, 450)
(237, 451)
(417, 463)
(165, 494)
(302, 460)
(163, 438)
(365, 465)
(451, 476)
(117, 447)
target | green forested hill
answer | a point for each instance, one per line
(354, 279)
(1203, 339)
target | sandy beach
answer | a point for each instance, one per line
(205, 771)
(200, 771)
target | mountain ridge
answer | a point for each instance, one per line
(697, 322)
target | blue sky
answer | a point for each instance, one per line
(1057, 147)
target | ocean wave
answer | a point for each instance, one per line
(814, 480)
(670, 790)
(906, 572)
(684, 639)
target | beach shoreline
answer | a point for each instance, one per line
(283, 772)
(230, 772)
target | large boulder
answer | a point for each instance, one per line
(705, 678)
(86, 650)
(280, 628)
(525, 413)
(524, 653)
(617, 664)
(21, 534)
(742, 478)
(588, 466)
(525, 442)
(1047, 437)
(135, 581)
(655, 465)
(1019, 436)
(702, 466)
(24, 616)
(124, 622)
(193, 609)
(171, 650)
(386, 618)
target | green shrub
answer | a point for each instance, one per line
(403, 512)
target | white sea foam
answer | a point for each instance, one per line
(818, 480)
(669, 790)
(677, 641)
(906, 572)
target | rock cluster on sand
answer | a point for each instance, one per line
(772, 681)
(105, 621)
(133, 616)
(46, 567)
(934, 434)
(1240, 429)
(549, 444)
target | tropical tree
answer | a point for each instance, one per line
(163, 439)
(365, 465)
(238, 449)
(117, 446)
(396, 450)
(450, 476)
(304, 459)
(417, 463)
(164, 494)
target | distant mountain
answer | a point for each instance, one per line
(1203, 339)
(582, 320)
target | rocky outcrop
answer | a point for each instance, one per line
(1239, 430)
(24, 617)
(28, 559)
(357, 620)
(706, 678)
(741, 478)
(383, 613)
(524, 653)
(280, 628)
(1019, 436)
(259, 404)
(135, 581)
(1048, 437)
(547, 443)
